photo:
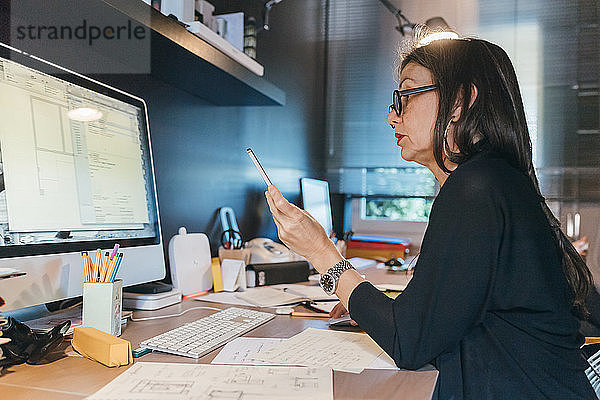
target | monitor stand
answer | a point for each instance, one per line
(150, 301)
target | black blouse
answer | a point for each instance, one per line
(488, 304)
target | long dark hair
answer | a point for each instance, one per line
(496, 116)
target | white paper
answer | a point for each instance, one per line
(342, 351)
(160, 381)
(223, 297)
(309, 292)
(267, 296)
(325, 306)
(391, 287)
(231, 270)
(383, 362)
(241, 351)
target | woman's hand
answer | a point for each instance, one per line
(299, 231)
(339, 311)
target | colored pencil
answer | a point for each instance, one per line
(86, 276)
(109, 270)
(114, 251)
(116, 269)
(97, 265)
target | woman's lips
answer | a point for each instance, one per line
(399, 137)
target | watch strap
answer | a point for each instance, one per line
(339, 268)
(334, 273)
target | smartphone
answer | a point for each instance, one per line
(258, 166)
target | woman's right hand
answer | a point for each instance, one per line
(339, 311)
(301, 233)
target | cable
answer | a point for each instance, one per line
(173, 315)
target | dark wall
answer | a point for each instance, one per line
(199, 149)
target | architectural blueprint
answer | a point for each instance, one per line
(160, 381)
(242, 349)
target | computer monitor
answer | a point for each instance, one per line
(76, 174)
(315, 200)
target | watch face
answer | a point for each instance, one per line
(327, 283)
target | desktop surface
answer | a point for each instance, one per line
(77, 377)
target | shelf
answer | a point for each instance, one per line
(191, 64)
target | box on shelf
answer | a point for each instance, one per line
(197, 28)
(204, 11)
(231, 28)
(182, 9)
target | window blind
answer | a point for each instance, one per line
(362, 156)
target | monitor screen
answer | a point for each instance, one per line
(75, 174)
(315, 200)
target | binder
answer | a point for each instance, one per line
(369, 246)
(275, 273)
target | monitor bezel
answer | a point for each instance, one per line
(321, 181)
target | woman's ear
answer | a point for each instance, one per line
(458, 106)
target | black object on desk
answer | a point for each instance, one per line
(275, 273)
(26, 345)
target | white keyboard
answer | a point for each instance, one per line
(202, 336)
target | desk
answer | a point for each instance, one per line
(76, 377)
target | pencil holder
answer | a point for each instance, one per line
(102, 306)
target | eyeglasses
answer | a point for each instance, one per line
(400, 97)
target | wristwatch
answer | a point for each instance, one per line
(330, 278)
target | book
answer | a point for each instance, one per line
(380, 239)
(279, 295)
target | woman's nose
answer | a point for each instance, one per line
(392, 118)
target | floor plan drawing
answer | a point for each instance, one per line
(160, 381)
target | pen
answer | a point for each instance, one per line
(592, 340)
(309, 314)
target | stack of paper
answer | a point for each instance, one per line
(270, 296)
(279, 295)
(342, 351)
(243, 349)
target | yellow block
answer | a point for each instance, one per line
(102, 347)
(217, 276)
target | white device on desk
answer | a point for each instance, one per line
(189, 259)
(150, 301)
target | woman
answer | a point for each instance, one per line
(493, 299)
